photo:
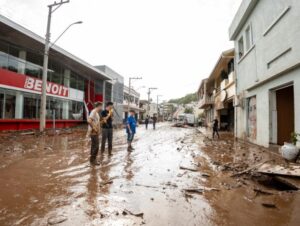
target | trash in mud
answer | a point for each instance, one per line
(200, 190)
(276, 183)
(205, 175)
(146, 186)
(128, 212)
(269, 205)
(57, 219)
(262, 192)
(187, 168)
(103, 183)
(249, 169)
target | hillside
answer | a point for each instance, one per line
(186, 99)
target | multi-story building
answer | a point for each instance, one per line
(72, 88)
(133, 101)
(117, 92)
(168, 110)
(216, 93)
(266, 36)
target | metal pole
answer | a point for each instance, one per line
(129, 91)
(45, 69)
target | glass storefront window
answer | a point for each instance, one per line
(3, 55)
(31, 107)
(80, 83)
(73, 81)
(1, 105)
(54, 108)
(10, 104)
(76, 110)
(99, 87)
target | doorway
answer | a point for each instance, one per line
(285, 114)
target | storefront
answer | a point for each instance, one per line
(72, 87)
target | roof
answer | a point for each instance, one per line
(223, 60)
(241, 17)
(17, 29)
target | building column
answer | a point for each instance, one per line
(297, 105)
(22, 62)
(65, 113)
(19, 105)
(104, 91)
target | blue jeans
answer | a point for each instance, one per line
(130, 137)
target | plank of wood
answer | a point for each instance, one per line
(292, 170)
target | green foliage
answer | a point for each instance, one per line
(188, 110)
(186, 99)
(294, 137)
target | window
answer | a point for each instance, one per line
(10, 104)
(76, 110)
(3, 55)
(248, 34)
(241, 47)
(54, 108)
(1, 105)
(31, 106)
(73, 81)
(99, 87)
(33, 65)
(80, 83)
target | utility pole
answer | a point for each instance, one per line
(129, 91)
(149, 93)
(52, 8)
(157, 98)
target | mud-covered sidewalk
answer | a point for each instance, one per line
(176, 176)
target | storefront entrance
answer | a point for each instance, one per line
(285, 114)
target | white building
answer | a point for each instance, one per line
(266, 35)
(134, 102)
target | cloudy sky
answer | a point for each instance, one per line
(172, 44)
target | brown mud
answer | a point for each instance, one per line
(176, 176)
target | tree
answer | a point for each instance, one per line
(186, 99)
(188, 110)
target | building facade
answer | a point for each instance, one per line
(117, 92)
(266, 36)
(133, 101)
(72, 88)
(217, 93)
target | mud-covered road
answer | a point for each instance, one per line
(48, 181)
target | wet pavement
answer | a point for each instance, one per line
(48, 181)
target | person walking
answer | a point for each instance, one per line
(147, 121)
(130, 129)
(94, 131)
(107, 127)
(216, 128)
(154, 121)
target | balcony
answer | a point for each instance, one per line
(206, 101)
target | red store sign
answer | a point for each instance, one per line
(20, 81)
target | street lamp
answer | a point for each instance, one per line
(149, 93)
(52, 8)
(129, 91)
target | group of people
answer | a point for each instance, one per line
(100, 122)
(147, 121)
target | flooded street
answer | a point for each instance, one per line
(48, 181)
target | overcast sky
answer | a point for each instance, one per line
(172, 44)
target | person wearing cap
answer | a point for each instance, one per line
(107, 127)
(130, 129)
(94, 131)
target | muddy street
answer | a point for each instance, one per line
(176, 176)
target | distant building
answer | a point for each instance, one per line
(216, 93)
(133, 100)
(168, 109)
(117, 92)
(267, 61)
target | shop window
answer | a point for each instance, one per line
(73, 81)
(33, 65)
(99, 87)
(56, 73)
(31, 107)
(54, 108)
(241, 47)
(1, 105)
(76, 110)
(10, 104)
(3, 55)
(80, 83)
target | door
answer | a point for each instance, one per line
(285, 114)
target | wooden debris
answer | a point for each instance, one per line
(249, 169)
(103, 183)
(292, 170)
(269, 205)
(128, 212)
(200, 190)
(186, 168)
(262, 192)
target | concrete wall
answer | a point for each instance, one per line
(275, 50)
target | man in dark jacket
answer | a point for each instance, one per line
(154, 121)
(147, 121)
(107, 127)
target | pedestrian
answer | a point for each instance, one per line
(94, 131)
(147, 121)
(154, 121)
(130, 129)
(107, 127)
(216, 128)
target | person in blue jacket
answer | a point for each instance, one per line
(130, 129)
